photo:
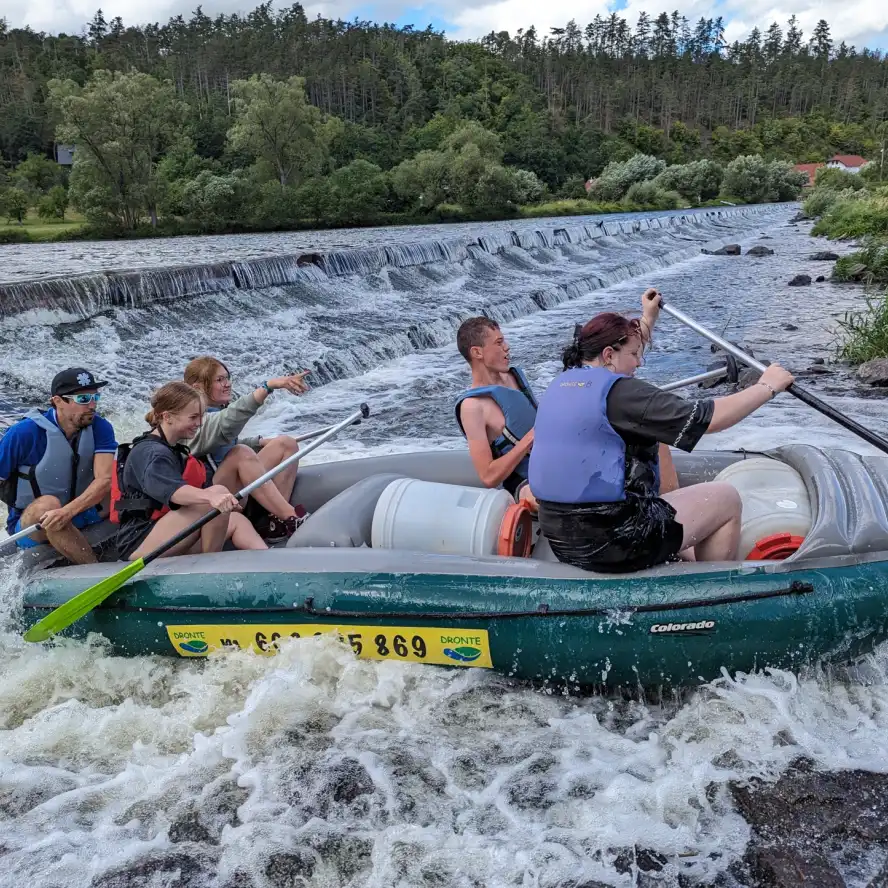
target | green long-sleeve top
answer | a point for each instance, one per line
(224, 427)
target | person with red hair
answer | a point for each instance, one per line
(595, 465)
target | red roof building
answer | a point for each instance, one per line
(810, 170)
(851, 162)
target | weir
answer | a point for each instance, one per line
(84, 296)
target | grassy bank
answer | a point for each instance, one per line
(75, 227)
(848, 207)
(34, 229)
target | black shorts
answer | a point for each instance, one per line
(635, 534)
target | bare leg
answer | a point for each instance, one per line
(211, 536)
(243, 534)
(242, 467)
(668, 475)
(68, 541)
(273, 454)
(710, 514)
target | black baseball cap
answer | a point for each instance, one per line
(73, 380)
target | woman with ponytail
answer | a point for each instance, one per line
(595, 466)
(159, 488)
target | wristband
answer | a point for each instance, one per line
(770, 388)
(267, 387)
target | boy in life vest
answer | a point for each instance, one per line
(498, 412)
(55, 467)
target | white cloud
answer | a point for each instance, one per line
(856, 21)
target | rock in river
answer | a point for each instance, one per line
(800, 280)
(726, 250)
(826, 256)
(809, 823)
(874, 372)
(759, 251)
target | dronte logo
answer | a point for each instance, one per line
(700, 626)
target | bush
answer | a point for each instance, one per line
(359, 192)
(618, 177)
(784, 181)
(869, 264)
(696, 182)
(527, 187)
(838, 180)
(570, 208)
(10, 236)
(647, 194)
(821, 200)
(15, 202)
(863, 335)
(854, 217)
(53, 204)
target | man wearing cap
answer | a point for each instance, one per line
(55, 467)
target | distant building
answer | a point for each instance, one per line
(64, 155)
(810, 171)
(850, 163)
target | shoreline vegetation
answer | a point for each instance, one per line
(855, 208)
(273, 121)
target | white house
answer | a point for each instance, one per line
(850, 163)
(64, 154)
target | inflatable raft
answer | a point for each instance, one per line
(388, 565)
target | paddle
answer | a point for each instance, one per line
(708, 376)
(71, 611)
(20, 535)
(305, 436)
(795, 389)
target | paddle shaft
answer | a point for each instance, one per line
(306, 436)
(356, 417)
(693, 380)
(20, 535)
(796, 390)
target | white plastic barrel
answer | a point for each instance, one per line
(775, 500)
(447, 519)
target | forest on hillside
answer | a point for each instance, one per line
(526, 117)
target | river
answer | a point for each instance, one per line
(313, 768)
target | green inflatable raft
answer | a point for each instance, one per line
(527, 617)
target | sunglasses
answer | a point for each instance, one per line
(83, 400)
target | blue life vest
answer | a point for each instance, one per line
(63, 471)
(222, 450)
(578, 457)
(519, 407)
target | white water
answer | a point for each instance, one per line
(316, 769)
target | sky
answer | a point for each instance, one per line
(857, 22)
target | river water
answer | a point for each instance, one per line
(313, 768)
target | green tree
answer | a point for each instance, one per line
(618, 176)
(315, 200)
(784, 181)
(697, 181)
(748, 178)
(121, 124)
(275, 123)
(423, 180)
(359, 191)
(212, 200)
(39, 172)
(15, 203)
(53, 204)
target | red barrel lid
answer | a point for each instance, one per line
(775, 547)
(516, 531)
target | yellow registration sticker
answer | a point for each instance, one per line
(445, 647)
